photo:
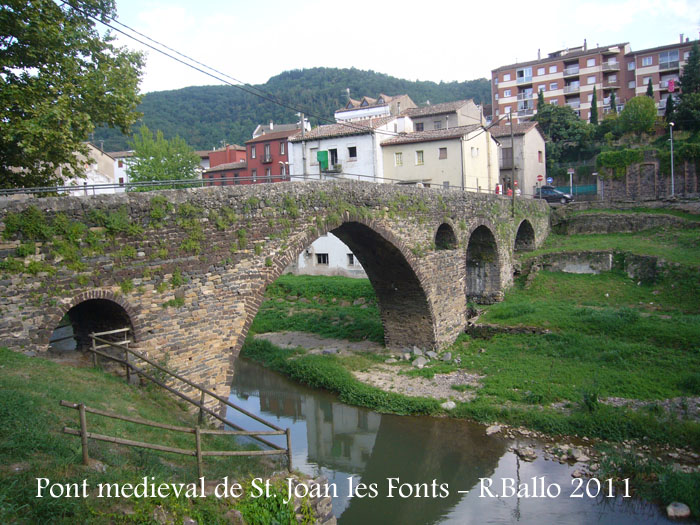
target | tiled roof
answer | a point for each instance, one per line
(431, 135)
(230, 166)
(503, 130)
(120, 154)
(342, 130)
(274, 135)
(436, 109)
(203, 153)
(371, 102)
(567, 56)
(278, 127)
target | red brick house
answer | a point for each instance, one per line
(268, 156)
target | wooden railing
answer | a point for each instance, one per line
(197, 431)
(99, 343)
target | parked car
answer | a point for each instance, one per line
(551, 194)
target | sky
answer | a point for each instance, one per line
(434, 40)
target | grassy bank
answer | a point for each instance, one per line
(33, 446)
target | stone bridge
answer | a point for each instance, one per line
(187, 269)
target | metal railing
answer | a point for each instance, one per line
(611, 66)
(525, 96)
(673, 64)
(572, 89)
(524, 80)
(99, 343)
(570, 71)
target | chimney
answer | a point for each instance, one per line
(539, 54)
(681, 38)
(272, 126)
(398, 108)
(585, 45)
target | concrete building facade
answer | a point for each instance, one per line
(526, 153)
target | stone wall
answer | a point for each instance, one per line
(190, 267)
(590, 223)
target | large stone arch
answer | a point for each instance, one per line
(483, 267)
(407, 315)
(96, 310)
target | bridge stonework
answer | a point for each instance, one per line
(188, 268)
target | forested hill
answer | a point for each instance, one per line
(207, 115)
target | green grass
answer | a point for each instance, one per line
(673, 244)
(639, 209)
(321, 305)
(30, 434)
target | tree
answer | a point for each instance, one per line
(540, 100)
(567, 135)
(594, 108)
(613, 103)
(670, 109)
(638, 116)
(650, 89)
(59, 78)
(690, 79)
(157, 158)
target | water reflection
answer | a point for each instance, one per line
(339, 441)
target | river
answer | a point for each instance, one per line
(339, 441)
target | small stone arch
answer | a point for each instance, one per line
(445, 238)
(525, 237)
(483, 266)
(94, 311)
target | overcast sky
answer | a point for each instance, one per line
(429, 40)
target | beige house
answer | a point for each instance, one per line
(464, 157)
(445, 115)
(528, 153)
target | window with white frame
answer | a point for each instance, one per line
(541, 87)
(590, 62)
(506, 77)
(281, 148)
(590, 98)
(252, 151)
(254, 173)
(631, 84)
(645, 81)
(496, 96)
(647, 61)
(398, 159)
(631, 66)
(419, 157)
(442, 153)
(437, 124)
(552, 69)
(268, 173)
(553, 86)
(283, 170)
(322, 258)
(506, 92)
(554, 102)
(686, 55)
(591, 80)
(540, 70)
(506, 110)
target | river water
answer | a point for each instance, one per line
(338, 441)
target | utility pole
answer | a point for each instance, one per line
(303, 144)
(670, 124)
(513, 172)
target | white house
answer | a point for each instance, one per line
(529, 154)
(327, 255)
(99, 169)
(382, 106)
(445, 115)
(353, 148)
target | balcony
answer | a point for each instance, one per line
(571, 71)
(524, 80)
(525, 96)
(266, 159)
(664, 84)
(525, 111)
(673, 64)
(611, 66)
(611, 84)
(572, 89)
(662, 104)
(574, 105)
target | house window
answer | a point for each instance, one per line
(475, 152)
(686, 55)
(541, 87)
(314, 156)
(552, 69)
(506, 110)
(437, 124)
(268, 173)
(442, 154)
(631, 66)
(398, 159)
(419, 126)
(553, 86)
(540, 71)
(121, 181)
(332, 157)
(590, 97)
(647, 61)
(646, 81)
(352, 152)
(446, 185)
(283, 170)
(495, 79)
(322, 258)
(252, 151)
(591, 80)
(419, 158)
(267, 152)
(590, 62)
(506, 93)
(631, 84)
(496, 96)
(539, 157)
(554, 102)
(351, 259)
(255, 175)
(668, 59)
(281, 148)
(506, 77)
(121, 163)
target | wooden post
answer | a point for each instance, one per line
(94, 355)
(127, 367)
(83, 431)
(289, 450)
(198, 444)
(200, 420)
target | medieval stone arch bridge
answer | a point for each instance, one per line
(187, 269)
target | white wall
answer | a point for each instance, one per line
(337, 259)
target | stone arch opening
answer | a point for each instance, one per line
(445, 238)
(92, 315)
(525, 237)
(483, 268)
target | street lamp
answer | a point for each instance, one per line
(670, 127)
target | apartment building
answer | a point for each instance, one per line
(568, 76)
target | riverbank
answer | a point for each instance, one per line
(599, 356)
(33, 447)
